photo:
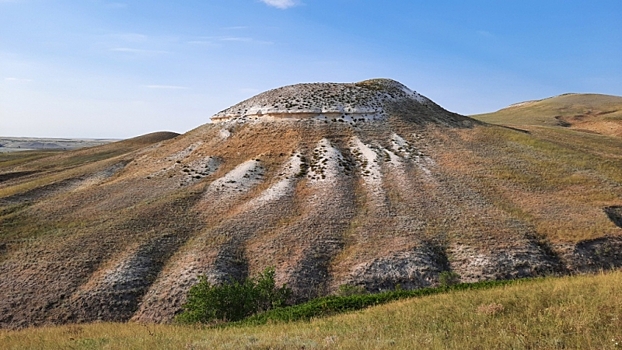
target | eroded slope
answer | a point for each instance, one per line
(122, 233)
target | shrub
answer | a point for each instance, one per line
(346, 290)
(448, 278)
(232, 301)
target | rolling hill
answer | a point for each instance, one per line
(367, 184)
(601, 114)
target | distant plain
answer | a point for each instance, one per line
(13, 144)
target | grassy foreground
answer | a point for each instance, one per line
(583, 312)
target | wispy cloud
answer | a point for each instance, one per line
(244, 40)
(282, 4)
(485, 33)
(200, 42)
(218, 41)
(167, 87)
(17, 80)
(137, 51)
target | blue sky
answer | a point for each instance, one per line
(97, 68)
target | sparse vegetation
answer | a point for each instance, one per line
(448, 278)
(554, 313)
(346, 290)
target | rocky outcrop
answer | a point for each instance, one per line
(417, 268)
(615, 214)
(349, 103)
(592, 255)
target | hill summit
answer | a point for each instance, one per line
(363, 101)
(595, 113)
(367, 184)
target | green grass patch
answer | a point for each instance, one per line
(332, 305)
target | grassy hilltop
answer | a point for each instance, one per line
(601, 114)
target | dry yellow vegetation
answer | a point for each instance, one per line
(580, 312)
(601, 114)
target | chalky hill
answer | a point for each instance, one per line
(368, 184)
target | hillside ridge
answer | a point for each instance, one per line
(122, 231)
(594, 113)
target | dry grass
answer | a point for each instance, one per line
(550, 178)
(582, 312)
(17, 158)
(594, 113)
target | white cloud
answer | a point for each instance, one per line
(137, 51)
(200, 42)
(245, 40)
(282, 4)
(217, 41)
(236, 39)
(17, 80)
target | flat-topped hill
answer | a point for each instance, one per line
(363, 101)
(121, 231)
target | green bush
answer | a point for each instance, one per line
(232, 301)
(448, 278)
(346, 290)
